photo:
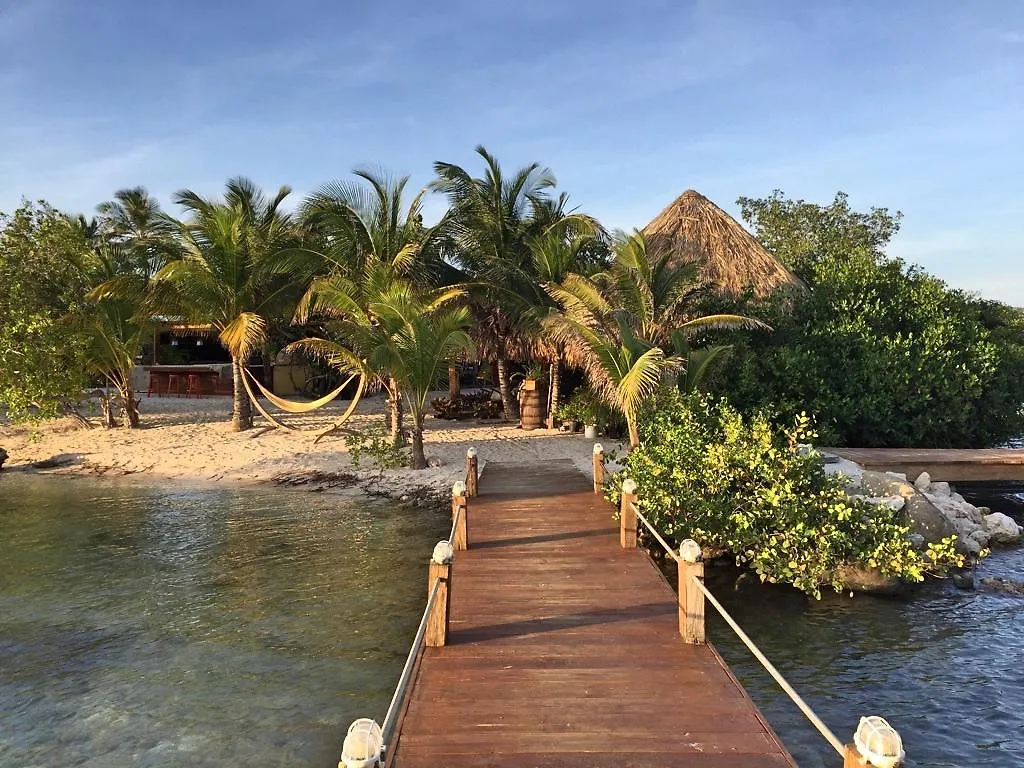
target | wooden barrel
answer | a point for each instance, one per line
(532, 410)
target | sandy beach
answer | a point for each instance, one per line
(191, 440)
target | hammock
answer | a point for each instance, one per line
(293, 407)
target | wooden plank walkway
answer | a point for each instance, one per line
(948, 464)
(564, 648)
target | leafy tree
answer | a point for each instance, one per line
(42, 368)
(882, 353)
(233, 271)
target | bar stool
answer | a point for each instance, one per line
(194, 386)
(154, 384)
(174, 384)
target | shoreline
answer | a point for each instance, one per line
(190, 440)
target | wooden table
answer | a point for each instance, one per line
(161, 382)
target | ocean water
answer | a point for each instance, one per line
(144, 626)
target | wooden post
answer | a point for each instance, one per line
(852, 758)
(460, 513)
(472, 473)
(598, 467)
(627, 517)
(437, 621)
(691, 598)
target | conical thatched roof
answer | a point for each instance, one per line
(695, 229)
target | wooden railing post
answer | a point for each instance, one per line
(472, 473)
(460, 539)
(627, 517)
(691, 598)
(598, 467)
(437, 620)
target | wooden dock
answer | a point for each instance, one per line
(948, 464)
(564, 648)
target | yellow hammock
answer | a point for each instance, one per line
(293, 407)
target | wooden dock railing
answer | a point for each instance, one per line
(366, 742)
(876, 743)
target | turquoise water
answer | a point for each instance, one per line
(144, 626)
(198, 627)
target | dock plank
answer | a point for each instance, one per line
(564, 648)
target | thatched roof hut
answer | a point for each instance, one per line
(695, 229)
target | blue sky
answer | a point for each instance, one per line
(917, 106)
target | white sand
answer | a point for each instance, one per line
(191, 440)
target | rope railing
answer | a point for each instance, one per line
(823, 729)
(395, 706)
(876, 743)
(366, 742)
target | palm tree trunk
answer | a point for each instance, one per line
(634, 435)
(556, 382)
(129, 407)
(396, 412)
(453, 382)
(511, 412)
(241, 408)
(419, 459)
(107, 410)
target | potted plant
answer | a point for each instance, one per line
(532, 397)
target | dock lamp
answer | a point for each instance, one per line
(364, 745)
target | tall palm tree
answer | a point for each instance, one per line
(491, 219)
(567, 246)
(404, 334)
(620, 322)
(365, 236)
(134, 221)
(232, 272)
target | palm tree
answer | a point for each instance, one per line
(134, 221)
(403, 334)
(364, 237)
(619, 322)
(490, 221)
(232, 271)
(568, 245)
(115, 324)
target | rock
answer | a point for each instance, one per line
(984, 510)
(923, 481)
(1002, 529)
(3, 457)
(981, 536)
(939, 489)
(433, 461)
(926, 520)
(968, 546)
(958, 498)
(896, 503)
(963, 578)
(862, 579)
(1010, 586)
(916, 540)
(882, 484)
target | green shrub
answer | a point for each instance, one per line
(740, 485)
(883, 353)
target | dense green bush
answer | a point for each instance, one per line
(882, 353)
(741, 485)
(42, 361)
